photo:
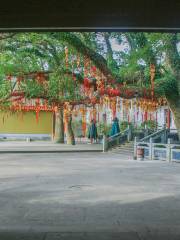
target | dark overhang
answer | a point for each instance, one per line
(84, 15)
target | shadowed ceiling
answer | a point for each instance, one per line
(77, 14)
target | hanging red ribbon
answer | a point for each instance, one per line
(152, 72)
(145, 116)
(84, 122)
(37, 116)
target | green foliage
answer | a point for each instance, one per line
(33, 89)
(103, 129)
(27, 52)
(150, 124)
(5, 89)
(123, 125)
(62, 87)
(167, 86)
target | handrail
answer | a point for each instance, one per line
(159, 144)
(116, 139)
(114, 136)
(152, 135)
(164, 138)
(117, 135)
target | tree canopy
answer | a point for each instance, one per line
(123, 59)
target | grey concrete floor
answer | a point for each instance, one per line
(47, 146)
(88, 196)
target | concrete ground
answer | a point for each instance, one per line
(47, 146)
(60, 196)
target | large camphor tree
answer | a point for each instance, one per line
(23, 54)
(131, 63)
(127, 64)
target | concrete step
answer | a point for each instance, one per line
(126, 156)
(124, 147)
(126, 150)
(123, 153)
(127, 147)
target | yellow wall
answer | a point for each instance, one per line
(26, 123)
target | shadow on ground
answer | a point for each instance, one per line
(151, 219)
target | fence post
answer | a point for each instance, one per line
(135, 148)
(163, 135)
(145, 130)
(169, 150)
(151, 149)
(167, 133)
(105, 143)
(129, 134)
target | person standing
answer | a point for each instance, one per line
(92, 132)
(115, 127)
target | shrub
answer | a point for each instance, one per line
(124, 125)
(150, 124)
(103, 129)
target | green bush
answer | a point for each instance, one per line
(150, 124)
(124, 125)
(103, 129)
(159, 146)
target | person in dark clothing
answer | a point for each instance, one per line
(92, 131)
(115, 127)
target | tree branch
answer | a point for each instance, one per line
(96, 58)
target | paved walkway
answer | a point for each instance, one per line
(45, 146)
(88, 196)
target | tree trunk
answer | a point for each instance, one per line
(174, 105)
(59, 126)
(69, 131)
